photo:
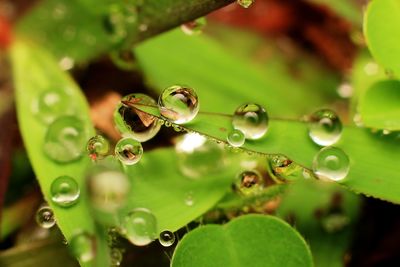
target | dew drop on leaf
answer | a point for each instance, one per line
(97, 147)
(324, 127)
(249, 183)
(189, 199)
(51, 104)
(64, 191)
(166, 238)
(179, 104)
(236, 138)
(123, 59)
(83, 246)
(115, 257)
(45, 217)
(245, 3)
(331, 163)
(140, 227)
(129, 151)
(286, 170)
(252, 120)
(131, 122)
(65, 139)
(194, 27)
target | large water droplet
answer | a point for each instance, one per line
(64, 191)
(51, 104)
(98, 147)
(198, 156)
(45, 217)
(245, 3)
(65, 139)
(324, 127)
(134, 123)
(249, 183)
(331, 163)
(286, 170)
(129, 151)
(83, 246)
(140, 227)
(178, 104)
(166, 238)
(236, 138)
(194, 27)
(252, 120)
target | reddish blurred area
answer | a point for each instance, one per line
(5, 33)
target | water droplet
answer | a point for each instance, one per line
(115, 257)
(98, 147)
(83, 246)
(64, 191)
(245, 3)
(66, 63)
(129, 151)
(345, 90)
(334, 222)
(249, 183)
(236, 138)
(134, 123)
(194, 27)
(124, 59)
(65, 139)
(108, 186)
(358, 120)
(331, 163)
(167, 238)
(284, 169)
(51, 104)
(324, 127)
(45, 217)
(140, 227)
(178, 104)
(197, 156)
(252, 120)
(371, 68)
(189, 199)
(143, 27)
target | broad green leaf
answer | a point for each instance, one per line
(382, 30)
(221, 80)
(345, 8)
(35, 72)
(379, 108)
(373, 158)
(313, 207)
(252, 240)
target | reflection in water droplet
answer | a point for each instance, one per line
(65, 139)
(166, 238)
(83, 246)
(45, 217)
(97, 147)
(129, 151)
(179, 104)
(252, 120)
(324, 127)
(197, 156)
(285, 170)
(249, 183)
(245, 3)
(131, 122)
(140, 227)
(331, 163)
(64, 191)
(51, 104)
(189, 199)
(194, 27)
(236, 138)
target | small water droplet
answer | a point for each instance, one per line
(51, 104)
(194, 27)
(65, 139)
(358, 120)
(178, 104)
(83, 246)
(45, 217)
(143, 27)
(189, 199)
(324, 127)
(124, 59)
(345, 90)
(334, 222)
(134, 123)
(166, 238)
(371, 68)
(129, 151)
(115, 257)
(66, 63)
(284, 169)
(252, 120)
(331, 163)
(97, 147)
(64, 191)
(140, 227)
(245, 3)
(249, 183)
(236, 138)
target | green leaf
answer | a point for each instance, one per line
(379, 108)
(252, 240)
(35, 71)
(373, 175)
(382, 30)
(309, 205)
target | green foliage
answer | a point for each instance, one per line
(253, 239)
